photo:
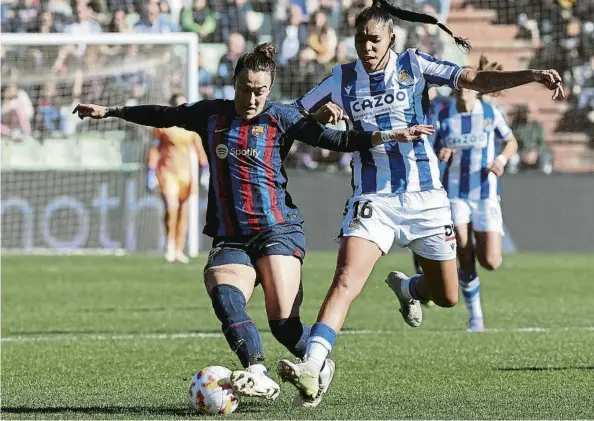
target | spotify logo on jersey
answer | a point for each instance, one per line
(222, 151)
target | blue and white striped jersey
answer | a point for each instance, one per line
(476, 138)
(393, 98)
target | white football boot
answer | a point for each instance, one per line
(411, 310)
(181, 257)
(326, 376)
(254, 382)
(310, 382)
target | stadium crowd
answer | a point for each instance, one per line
(312, 36)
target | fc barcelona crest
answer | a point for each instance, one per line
(258, 131)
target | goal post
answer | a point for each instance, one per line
(70, 185)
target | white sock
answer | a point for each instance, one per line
(258, 368)
(317, 351)
(472, 297)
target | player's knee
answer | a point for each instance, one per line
(229, 304)
(490, 262)
(171, 202)
(446, 300)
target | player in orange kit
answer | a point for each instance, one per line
(169, 167)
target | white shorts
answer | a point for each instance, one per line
(421, 221)
(485, 214)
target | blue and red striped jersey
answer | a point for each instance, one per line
(247, 191)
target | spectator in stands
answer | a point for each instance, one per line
(574, 49)
(153, 21)
(441, 8)
(61, 12)
(291, 37)
(301, 74)
(347, 26)
(25, 18)
(165, 9)
(331, 9)
(322, 38)
(532, 149)
(205, 80)
(201, 20)
(342, 56)
(83, 24)
(134, 80)
(235, 48)
(586, 86)
(425, 37)
(118, 22)
(47, 117)
(16, 113)
(45, 23)
(239, 17)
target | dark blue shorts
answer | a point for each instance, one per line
(281, 240)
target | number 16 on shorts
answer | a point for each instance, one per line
(360, 209)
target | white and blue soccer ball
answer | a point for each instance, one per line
(211, 392)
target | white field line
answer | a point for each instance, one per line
(213, 335)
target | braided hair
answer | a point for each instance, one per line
(383, 11)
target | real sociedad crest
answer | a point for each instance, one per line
(404, 78)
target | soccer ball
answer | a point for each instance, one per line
(211, 392)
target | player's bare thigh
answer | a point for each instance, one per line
(173, 187)
(240, 276)
(281, 280)
(488, 249)
(355, 262)
(442, 279)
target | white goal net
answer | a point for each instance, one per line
(79, 185)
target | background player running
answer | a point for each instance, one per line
(256, 228)
(470, 132)
(169, 168)
(397, 191)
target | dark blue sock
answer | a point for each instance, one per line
(240, 331)
(291, 333)
(320, 342)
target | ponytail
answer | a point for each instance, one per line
(410, 16)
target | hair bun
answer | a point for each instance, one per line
(267, 49)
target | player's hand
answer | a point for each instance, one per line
(445, 154)
(90, 110)
(330, 113)
(411, 133)
(496, 167)
(552, 80)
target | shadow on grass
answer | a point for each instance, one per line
(108, 333)
(97, 410)
(251, 407)
(544, 368)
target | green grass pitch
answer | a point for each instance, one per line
(120, 338)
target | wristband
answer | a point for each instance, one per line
(385, 137)
(501, 158)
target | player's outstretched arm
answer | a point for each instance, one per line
(489, 81)
(146, 115)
